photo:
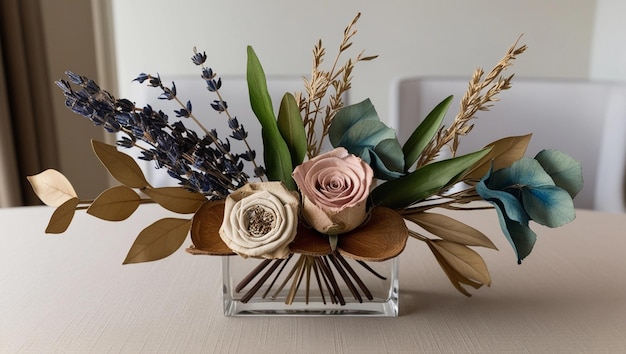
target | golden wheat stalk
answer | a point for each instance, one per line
(317, 88)
(480, 95)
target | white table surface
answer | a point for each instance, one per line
(70, 293)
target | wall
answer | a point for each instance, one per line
(608, 51)
(412, 37)
(70, 46)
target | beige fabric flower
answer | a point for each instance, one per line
(334, 188)
(260, 220)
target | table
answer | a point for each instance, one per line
(71, 293)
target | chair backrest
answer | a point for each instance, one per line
(234, 91)
(585, 119)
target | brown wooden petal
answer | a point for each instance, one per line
(205, 230)
(383, 237)
(310, 242)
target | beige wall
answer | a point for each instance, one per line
(420, 37)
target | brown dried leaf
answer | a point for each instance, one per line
(158, 240)
(52, 187)
(455, 277)
(205, 230)
(115, 204)
(464, 260)
(504, 152)
(176, 199)
(310, 242)
(62, 217)
(121, 166)
(383, 237)
(450, 229)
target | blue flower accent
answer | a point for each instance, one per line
(539, 189)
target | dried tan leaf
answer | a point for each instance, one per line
(382, 237)
(455, 277)
(504, 152)
(176, 199)
(205, 230)
(115, 204)
(52, 187)
(450, 229)
(310, 242)
(158, 240)
(62, 217)
(121, 166)
(464, 260)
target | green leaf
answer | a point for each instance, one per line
(423, 182)
(159, 240)
(275, 150)
(176, 199)
(291, 128)
(115, 204)
(424, 133)
(563, 169)
(121, 166)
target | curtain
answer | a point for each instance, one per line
(27, 135)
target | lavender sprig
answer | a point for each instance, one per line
(214, 84)
(202, 164)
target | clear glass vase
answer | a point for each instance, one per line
(303, 285)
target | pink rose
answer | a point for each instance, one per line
(334, 188)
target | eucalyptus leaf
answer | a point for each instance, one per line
(176, 199)
(121, 166)
(115, 204)
(564, 170)
(291, 128)
(358, 129)
(62, 217)
(551, 206)
(519, 235)
(275, 150)
(424, 133)
(423, 182)
(52, 187)
(159, 240)
(348, 116)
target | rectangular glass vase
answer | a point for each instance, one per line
(302, 285)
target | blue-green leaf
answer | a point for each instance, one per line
(564, 170)
(523, 172)
(348, 116)
(358, 129)
(551, 206)
(424, 133)
(519, 235)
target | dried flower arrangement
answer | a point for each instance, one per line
(354, 201)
